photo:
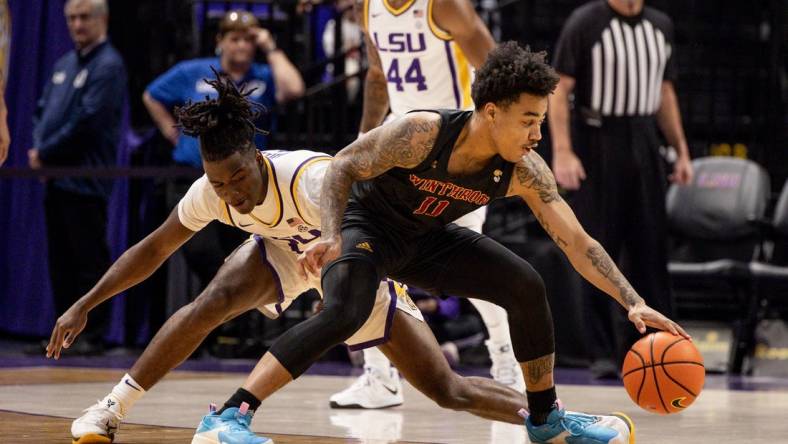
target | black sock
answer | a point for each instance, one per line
(540, 404)
(240, 396)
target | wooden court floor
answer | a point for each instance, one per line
(37, 405)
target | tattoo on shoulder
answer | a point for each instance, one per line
(536, 369)
(403, 143)
(412, 141)
(604, 264)
(533, 172)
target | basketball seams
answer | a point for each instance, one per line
(659, 345)
(654, 372)
(643, 380)
(661, 364)
(667, 347)
(664, 370)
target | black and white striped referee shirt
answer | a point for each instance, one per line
(618, 62)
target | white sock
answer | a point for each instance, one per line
(495, 320)
(376, 359)
(127, 392)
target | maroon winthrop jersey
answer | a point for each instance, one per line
(428, 196)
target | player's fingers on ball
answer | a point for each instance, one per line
(683, 332)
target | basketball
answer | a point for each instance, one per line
(663, 373)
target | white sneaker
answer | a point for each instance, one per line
(372, 390)
(505, 368)
(98, 423)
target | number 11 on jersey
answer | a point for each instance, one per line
(427, 209)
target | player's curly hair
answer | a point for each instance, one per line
(225, 124)
(509, 71)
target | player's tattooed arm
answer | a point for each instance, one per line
(601, 261)
(533, 175)
(403, 143)
(538, 368)
(535, 183)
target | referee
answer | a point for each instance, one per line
(616, 57)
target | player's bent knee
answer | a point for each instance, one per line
(451, 394)
(217, 302)
(349, 288)
(521, 291)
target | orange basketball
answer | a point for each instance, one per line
(663, 373)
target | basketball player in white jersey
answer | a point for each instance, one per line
(421, 54)
(275, 196)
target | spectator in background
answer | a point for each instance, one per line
(617, 58)
(351, 44)
(77, 124)
(274, 82)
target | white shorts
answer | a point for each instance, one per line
(391, 295)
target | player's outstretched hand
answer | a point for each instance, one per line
(642, 315)
(318, 254)
(67, 328)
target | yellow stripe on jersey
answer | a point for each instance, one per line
(366, 15)
(439, 33)
(401, 9)
(277, 195)
(294, 186)
(464, 76)
(227, 216)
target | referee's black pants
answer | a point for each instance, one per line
(622, 205)
(78, 252)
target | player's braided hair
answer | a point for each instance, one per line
(509, 71)
(225, 124)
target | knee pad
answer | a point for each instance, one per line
(530, 319)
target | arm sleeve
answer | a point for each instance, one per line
(168, 87)
(105, 92)
(200, 206)
(309, 186)
(568, 48)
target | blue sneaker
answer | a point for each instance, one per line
(580, 428)
(231, 427)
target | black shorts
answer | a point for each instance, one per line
(417, 259)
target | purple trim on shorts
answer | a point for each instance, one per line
(386, 329)
(279, 290)
(453, 73)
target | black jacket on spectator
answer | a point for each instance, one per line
(79, 115)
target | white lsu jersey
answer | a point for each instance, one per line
(282, 227)
(423, 65)
(291, 207)
(284, 224)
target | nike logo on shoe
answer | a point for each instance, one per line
(393, 391)
(132, 385)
